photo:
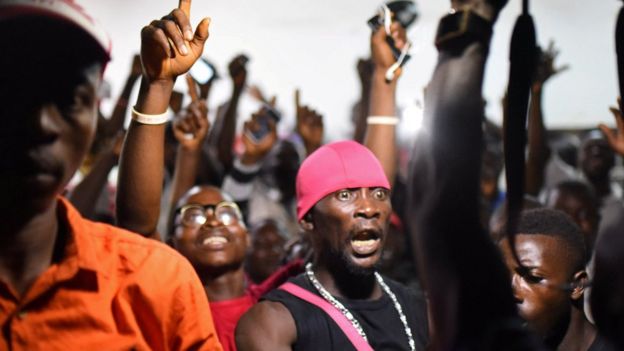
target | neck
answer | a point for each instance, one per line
(224, 285)
(580, 334)
(341, 283)
(27, 248)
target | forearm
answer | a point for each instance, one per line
(187, 163)
(444, 197)
(381, 138)
(85, 195)
(362, 113)
(228, 130)
(141, 164)
(538, 151)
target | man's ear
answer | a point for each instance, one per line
(307, 222)
(579, 282)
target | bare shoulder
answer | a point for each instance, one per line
(267, 325)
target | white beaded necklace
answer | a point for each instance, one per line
(340, 307)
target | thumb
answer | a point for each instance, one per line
(201, 34)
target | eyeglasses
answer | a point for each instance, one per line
(194, 215)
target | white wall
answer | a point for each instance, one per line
(314, 44)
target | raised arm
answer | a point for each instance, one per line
(165, 54)
(309, 125)
(361, 108)
(380, 136)
(539, 151)
(227, 123)
(190, 129)
(239, 180)
(85, 195)
(468, 286)
(117, 119)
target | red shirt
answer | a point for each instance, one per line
(226, 314)
(113, 290)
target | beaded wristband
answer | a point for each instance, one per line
(386, 120)
(149, 119)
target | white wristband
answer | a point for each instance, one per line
(150, 119)
(387, 120)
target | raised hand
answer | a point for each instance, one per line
(546, 66)
(259, 95)
(615, 139)
(309, 125)
(190, 127)
(380, 50)
(255, 150)
(169, 47)
(488, 9)
(238, 71)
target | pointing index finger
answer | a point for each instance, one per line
(185, 6)
(297, 98)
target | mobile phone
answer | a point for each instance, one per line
(202, 71)
(267, 113)
(405, 12)
(384, 19)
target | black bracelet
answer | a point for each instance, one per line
(458, 30)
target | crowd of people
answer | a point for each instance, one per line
(215, 237)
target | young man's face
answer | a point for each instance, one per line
(540, 290)
(47, 107)
(596, 158)
(351, 225)
(266, 252)
(213, 245)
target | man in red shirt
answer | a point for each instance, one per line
(67, 283)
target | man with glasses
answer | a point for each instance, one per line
(67, 283)
(207, 227)
(209, 231)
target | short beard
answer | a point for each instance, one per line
(353, 269)
(354, 281)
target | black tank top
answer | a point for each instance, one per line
(379, 319)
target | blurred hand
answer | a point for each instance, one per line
(615, 139)
(169, 47)
(488, 9)
(238, 71)
(190, 127)
(257, 94)
(255, 150)
(546, 66)
(380, 50)
(309, 125)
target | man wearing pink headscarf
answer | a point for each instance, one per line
(343, 204)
